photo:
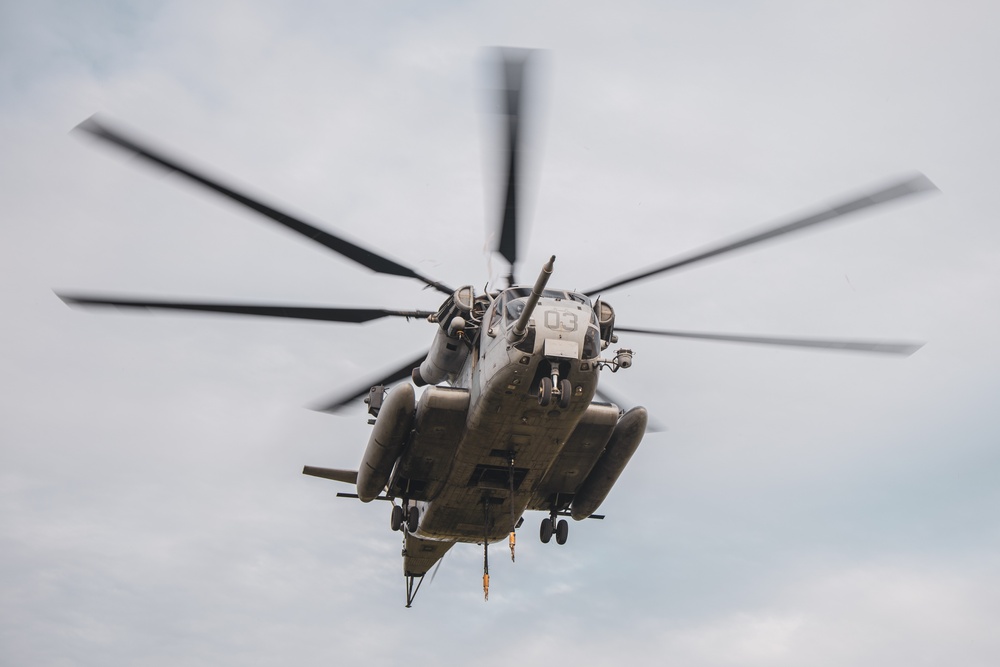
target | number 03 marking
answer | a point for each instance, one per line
(557, 321)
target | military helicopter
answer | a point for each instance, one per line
(510, 418)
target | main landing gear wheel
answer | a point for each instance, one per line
(545, 391)
(396, 519)
(545, 533)
(565, 393)
(562, 531)
(412, 519)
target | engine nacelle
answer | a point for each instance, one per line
(621, 446)
(392, 427)
(606, 321)
(446, 358)
(450, 349)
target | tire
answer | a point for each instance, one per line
(545, 533)
(562, 531)
(413, 519)
(545, 391)
(396, 518)
(565, 393)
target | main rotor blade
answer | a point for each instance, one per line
(324, 313)
(514, 63)
(909, 186)
(876, 347)
(367, 258)
(341, 400)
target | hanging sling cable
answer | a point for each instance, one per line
(513, 522)
(486, 548)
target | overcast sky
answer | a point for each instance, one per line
(803, 508)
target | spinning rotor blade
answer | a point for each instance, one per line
(904, 188)
(343, 399)
(328, 314)
(903, 349)
(514, 63)
(373, 261)
(437, 567)
(653, 425)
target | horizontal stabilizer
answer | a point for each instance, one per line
(345, 476)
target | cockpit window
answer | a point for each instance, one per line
(521, 292)
(515, 308)
(497, 311)
(592, 343)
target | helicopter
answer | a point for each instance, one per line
(510, 418)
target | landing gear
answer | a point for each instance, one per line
(545, 533)
(553, 386)
(545, 392)
(565, 393)
(408, 514)
(550, 526)
(562, 531)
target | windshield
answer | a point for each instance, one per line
(521, 292)
(515, 308)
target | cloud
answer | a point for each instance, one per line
(800, 509)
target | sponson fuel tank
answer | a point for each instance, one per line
(621, 446)
(392, 427)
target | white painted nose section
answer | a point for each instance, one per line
(561, 328)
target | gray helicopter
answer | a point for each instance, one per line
(510, 418)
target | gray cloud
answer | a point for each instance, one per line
(802, 508)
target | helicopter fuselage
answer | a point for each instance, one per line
(509, 440)
(515, 428)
